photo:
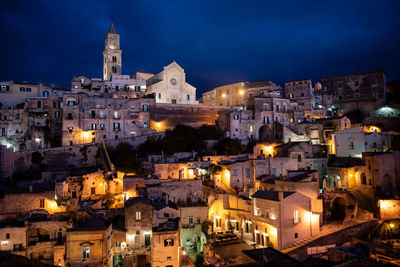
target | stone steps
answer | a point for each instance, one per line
(325, 230)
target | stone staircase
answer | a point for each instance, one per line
(325, 230)
(364, 201)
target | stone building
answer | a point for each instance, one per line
(170, 86)
(138, 225)
(353, 142)
(34, 197)
(374, 176)
(88, 119)
(290, 213)
(85, 244)
(165, 244)
(178, 170)
(241, 93)
(46, 237)
(364, 91)
(176, 191)
(302, 92)
(13, 236)
(264, 121)
(112, 63)
(318, 132)
(30, 115)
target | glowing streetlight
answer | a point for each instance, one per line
(241, 92)
(223, 95)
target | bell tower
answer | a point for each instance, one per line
(112, 63)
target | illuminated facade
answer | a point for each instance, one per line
(170, 86)
(90, 120)
(112, 54)
(353, 142)
(241, 94)
(264, 121)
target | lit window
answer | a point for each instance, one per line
(188, 97)
(86, 253)
(235, 172)
(22, 89)
(102, 126)
(296, 217)
(145, 107)
(236, 117)
(266, 119)
(138, 216)
(159, 95)
(41, 204)
(94, 126)
(169, 242)
(217, 222)
(145, 125)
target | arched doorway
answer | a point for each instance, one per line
(338, 212)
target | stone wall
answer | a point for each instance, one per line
(60, 158)
(167, 116)
(338, 238)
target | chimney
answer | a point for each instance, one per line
(280, 195)
(30, 188)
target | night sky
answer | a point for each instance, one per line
(216, 42)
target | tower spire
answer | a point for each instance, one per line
(112, 29)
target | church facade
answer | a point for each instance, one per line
(170, 86)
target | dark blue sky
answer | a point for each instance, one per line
(216, 42)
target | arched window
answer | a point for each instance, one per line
(363, 178)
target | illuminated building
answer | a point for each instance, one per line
(170, 86)
(353, 142)
(241, 94)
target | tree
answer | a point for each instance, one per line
(355, 116)
(124, 158)
(228, 146)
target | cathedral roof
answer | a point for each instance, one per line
(112, 29)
